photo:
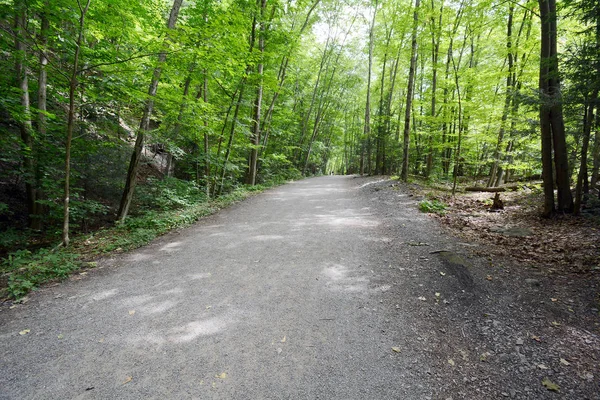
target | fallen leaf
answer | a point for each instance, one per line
(24, 332)
(422, 298)
(442, 273)
(553, 299)
(101, 340)
(536, 338)
(451, 362)
(564, 362)
(554, 323)
(283, 340)
(208, 307)
(222, 375)
(60, 336)
(550, 385)
(396, 349)
(437, 294)
(127, 380)
(131, 312)
(489, 277)
(542, 366)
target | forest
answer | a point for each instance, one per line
(134, 117)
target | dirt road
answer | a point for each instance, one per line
(314, 290)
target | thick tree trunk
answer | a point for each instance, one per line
(551, 109)
(409, 94)
(145, 122)
(551, 117)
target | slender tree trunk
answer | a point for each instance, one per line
(435, 51)
(410, 93)
(582, 177)
(145, 122)
(596, 153)
(230, 140)
(25, 124)
(71, 120)
(494, 172)
(367, 126)
(255, 137)
(206, 142)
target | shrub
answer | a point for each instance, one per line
(433, 206)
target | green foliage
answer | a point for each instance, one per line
(432, 206)
(168, 194)
(26, 270)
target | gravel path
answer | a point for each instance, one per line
(318, 289)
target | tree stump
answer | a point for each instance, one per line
(498, 204)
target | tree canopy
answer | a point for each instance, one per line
(106, 103)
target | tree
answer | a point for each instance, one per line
(410, 94)
(145, 121)
(551, 117)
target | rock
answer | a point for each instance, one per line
(520, 342)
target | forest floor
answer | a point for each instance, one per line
(325, 288)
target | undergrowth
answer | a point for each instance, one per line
(432, 206)
(23, 270)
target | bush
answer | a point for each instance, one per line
(168, 194)
(433, 206)
(27, 270)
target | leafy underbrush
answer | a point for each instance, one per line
(168, 205)
(433, 206)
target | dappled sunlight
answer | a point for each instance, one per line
(341, 279)
(335, 272)
(136, 300)
(265, 238)
(196, 277)
(140, 257)
(104, 294)
(158, 307)
(196, 329)
(170, 247)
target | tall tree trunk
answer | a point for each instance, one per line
(25, 124)
(38, 209)
(596, 152)
(410, 93)
(494, 172)
(145, 122)
(255, 137)
(551, 116)
(71, 120)
(230, 140)
(582, 177)
(206, 143)
(367, 126)
(435, 51)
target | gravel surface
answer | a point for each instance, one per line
(326, 288)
